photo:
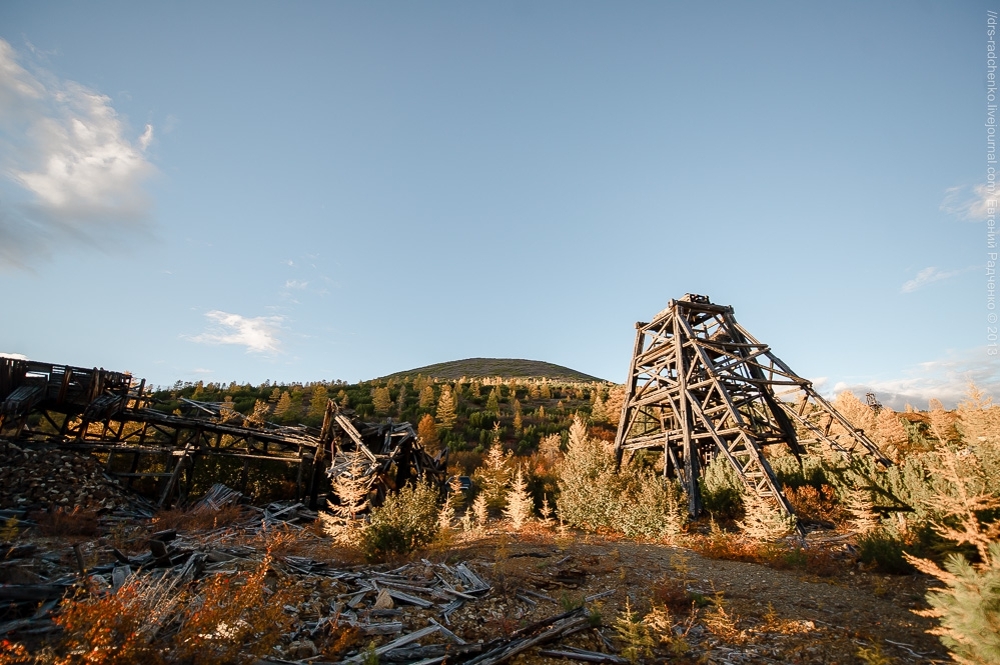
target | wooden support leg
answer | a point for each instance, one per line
(314, 485)
(243, 476)
(298, 477)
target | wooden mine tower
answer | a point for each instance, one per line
(700, 386)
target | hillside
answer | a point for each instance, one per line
(504, 367)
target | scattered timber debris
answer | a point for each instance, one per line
(421, 612)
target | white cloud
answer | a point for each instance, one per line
(295, 284)
(969, 203)
(927, 276)
(258, 334)
(946, 379)
(67, 166)
(15, 356)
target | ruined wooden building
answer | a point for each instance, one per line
(111, 414)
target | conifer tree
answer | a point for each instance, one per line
(480, 510)
(382, 400)
(540, 414)
(343, 399)
(533, 391)
(446, 410)
(546, 391)
(427, 396)
(317, 404)
(227, 410)
(275, 395)
(518, 422)
(597, 412)
(258, 417)
(763, 522)
(978, 418)
(494, 474)
(283, 409)
(864, 520)
(401, 400)
(613, 404)
(427, 432)
(859, 414)
(550, 447)
(520, 505)
(351, 488)
(890, 434)
(493, 402)
(446, 516)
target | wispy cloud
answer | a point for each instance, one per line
(68, 169)
(927, 276)
(295, 284)
(258, 334)
(946, 379)
(968, 202)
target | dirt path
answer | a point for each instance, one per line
(773, 616)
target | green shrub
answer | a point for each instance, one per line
(408, 519)
(589, 488)
(721, 489)
(885, 552)
(972, 608)
(635, 501)
(792, 471)
(650, 506)
(969, 606)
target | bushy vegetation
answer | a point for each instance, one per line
(595, 495)
(222, 619)
(407, 520)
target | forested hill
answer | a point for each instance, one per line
(507, 368)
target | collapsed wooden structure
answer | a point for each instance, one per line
(700, 386)
(110, 413)
(390, 454)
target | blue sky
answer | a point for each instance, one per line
(305, 191)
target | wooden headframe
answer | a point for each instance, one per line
(700, 386)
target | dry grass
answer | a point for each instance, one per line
(201, 520)
(672, 593)
(222, 619)
(815, 505)
(62, 522)
(815, 560)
